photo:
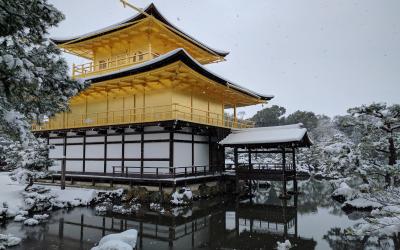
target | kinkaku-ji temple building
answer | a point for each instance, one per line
(154, 114)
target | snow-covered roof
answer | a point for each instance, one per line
(151, 10)
(168, 58)
(285, 134)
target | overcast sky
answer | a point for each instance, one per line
(318, 55)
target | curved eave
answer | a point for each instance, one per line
(169, 58)
(151, 10)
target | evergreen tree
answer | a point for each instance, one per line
(309, 119)
(34, 82)
(272, 116)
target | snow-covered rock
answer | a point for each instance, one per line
(344, 193)
(19, 218)
(41, 217)
(361, 204)
(182, 197)
(8, 240)
(284, 245)
(31, 222)
(120, 241)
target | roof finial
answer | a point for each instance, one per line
(126, 3)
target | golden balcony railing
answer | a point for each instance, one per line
(141, 115)
(110, 64)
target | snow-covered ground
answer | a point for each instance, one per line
(14, 201)
(121, 241)
(10, 195)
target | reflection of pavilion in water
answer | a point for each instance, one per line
(234, 225)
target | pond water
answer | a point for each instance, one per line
(310, 221)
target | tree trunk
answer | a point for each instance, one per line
(392, 152)
(29, 184)
(392, 158)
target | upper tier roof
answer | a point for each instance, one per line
(151, 10)
(169, 58)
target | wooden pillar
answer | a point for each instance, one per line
(61, 228)
(192, 146)
(84, 153)
(171, 151)
(234, 116)
(284, 171)
(285, 226)
(250, 173)
(236, 163)
(294, 169)
(64, 162)
(223, 115)
(123, 151)
(141, 150)
(105, 153)
(82, 222)
(210, 151)
(283, 161)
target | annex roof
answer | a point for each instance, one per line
(151, 10)
(294, 135)
(169, 58)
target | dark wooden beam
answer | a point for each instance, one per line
(105, 153)
(123, 149)
(141, 150)
(192, 146)
(171, 150)
(84, 153)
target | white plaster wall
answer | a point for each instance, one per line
(56, 152)
(56, 166)
(132, 150)
(187, 129)
(135, 137)
(200, 138)
(162, 165)
(95, 139)
(182, 154)
(76, 166)
(157, 136)
(153, 128)
(74, 151)
(110, 164)
(95, 151)
(133, 164)
(129, 130)
(179, 136)
(114, 150)
(156, 150)
(114, 138)
(201, 154)
(54, 141)
(94, 166)
(75, 140)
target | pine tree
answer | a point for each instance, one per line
(34, 82)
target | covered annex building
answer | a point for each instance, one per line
(283, 140)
